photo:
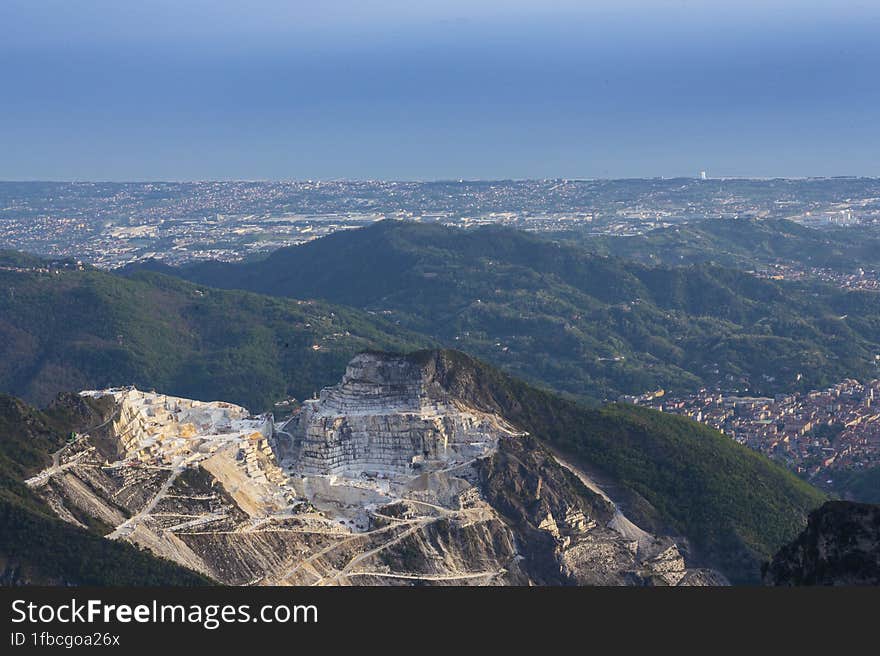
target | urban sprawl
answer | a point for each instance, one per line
(817, 434)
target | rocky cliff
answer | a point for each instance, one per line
(386, 417)
(840, 546)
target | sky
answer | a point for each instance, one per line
(387, 89)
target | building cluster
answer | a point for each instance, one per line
(816, 433)
(858, 279)
(111, 224)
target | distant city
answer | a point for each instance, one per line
(819, 434)
(111, 224)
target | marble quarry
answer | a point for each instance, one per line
(162, 429)
(381, 419)
(385, 479)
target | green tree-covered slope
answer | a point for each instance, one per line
(584, 324)
(862, 485)
(743, 243)
(73, 330)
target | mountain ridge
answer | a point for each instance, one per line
(70, 329)
(742, 243)
(839, 546)
(587, 325)
(647, 454)
(730, 508)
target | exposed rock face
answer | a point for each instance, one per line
(840, 546)
(384, 418)
(171, 430)
(389, 478)
(571, 534)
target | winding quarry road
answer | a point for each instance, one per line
(128, 526)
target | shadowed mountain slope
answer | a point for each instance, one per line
(584, 324)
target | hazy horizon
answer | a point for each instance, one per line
(165, 91)
(745, 178)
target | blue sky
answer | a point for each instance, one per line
(109, 90)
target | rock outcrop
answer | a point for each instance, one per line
(384, 418)
(840, 546)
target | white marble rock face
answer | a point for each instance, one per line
(382, 418)
(166, 430)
